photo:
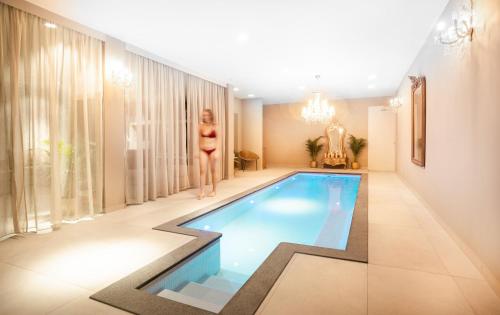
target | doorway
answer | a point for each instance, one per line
(381, 139)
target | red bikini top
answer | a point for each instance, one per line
(212, 134)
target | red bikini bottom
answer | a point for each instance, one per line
(208, 151)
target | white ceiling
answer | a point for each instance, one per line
(287, 41)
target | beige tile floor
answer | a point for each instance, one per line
(414, 266)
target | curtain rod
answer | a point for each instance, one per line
(54, 17)
(146, 54)
(58, 19)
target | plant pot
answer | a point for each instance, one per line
(355, 165)
(313, 164)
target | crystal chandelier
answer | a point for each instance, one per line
(318, 110)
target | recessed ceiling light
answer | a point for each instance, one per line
(371, 86)
(251, 95)
(236, 89)
(372, 77)
(50, 25)
(242, 37)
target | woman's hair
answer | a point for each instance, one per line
(211, 113)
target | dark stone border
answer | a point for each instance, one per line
(126, 294)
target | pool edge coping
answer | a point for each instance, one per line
(126, 293)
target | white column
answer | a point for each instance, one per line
(252, 127)
(114, 129)
(229, 163)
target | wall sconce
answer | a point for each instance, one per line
(50, 25)
(120, 75)
(462, 26)
(395, 103)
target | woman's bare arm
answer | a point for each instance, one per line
(217, 142)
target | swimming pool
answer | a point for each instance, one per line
(305, 208)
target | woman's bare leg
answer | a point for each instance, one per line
(203, 173)
(213, 170)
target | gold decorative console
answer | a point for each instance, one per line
(335, 153)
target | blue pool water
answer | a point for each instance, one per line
(307, 208)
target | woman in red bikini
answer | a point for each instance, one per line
(209, 153)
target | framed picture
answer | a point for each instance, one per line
(418, 120)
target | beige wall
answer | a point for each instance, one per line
(285, 132)
(461, 179)
(252, 127)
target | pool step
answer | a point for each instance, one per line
(331, 233)
(210, 295)
(233, 276)
(186, 299)
(219, 283)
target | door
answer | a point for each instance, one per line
(381, 139)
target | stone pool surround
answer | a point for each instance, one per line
(127, 293)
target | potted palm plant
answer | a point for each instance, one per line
(313, 148)
(356, 145)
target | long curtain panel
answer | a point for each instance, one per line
(156, 131)
(51, 90)
(204, 94)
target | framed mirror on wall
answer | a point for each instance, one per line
(418, 120)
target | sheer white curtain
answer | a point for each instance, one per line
(204, 94)
(50, 123)
(156, 131)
